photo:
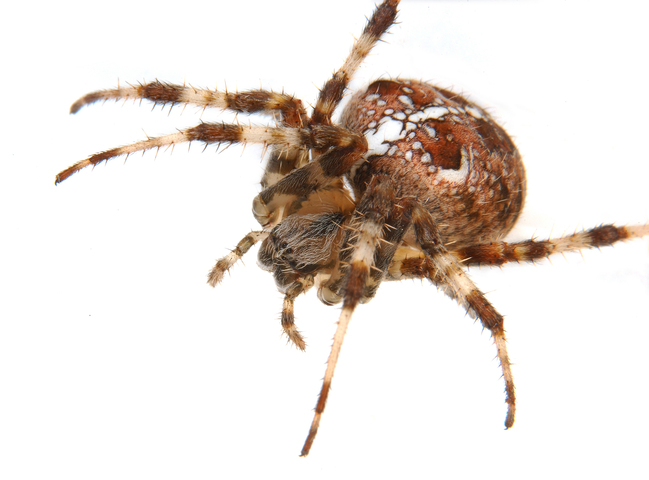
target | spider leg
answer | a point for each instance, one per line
(224, 264)
(396, 226)
(290, 111)
(498, 253)
(288, 316)
(254, 101)
(208, 133)
(282, 161)
(296, 251)
(368, 224)
(332, 92)
(444, 270)
(270, 206)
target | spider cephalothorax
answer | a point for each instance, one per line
(413, 182)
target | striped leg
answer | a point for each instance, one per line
(395, 228)
(288, 110)
(332, 92)
(208, 133)
(367, 227)
(298, 249)
(272, 204)
(396, 225)
(288, 316)
(443, 269)
(282, 161)
(161, 93)
(499, 253)
(224, 264)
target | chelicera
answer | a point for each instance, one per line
(414, 181)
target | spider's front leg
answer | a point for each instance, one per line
(207, 133)
(286, 197)
(223, 133)
(370, 244)
(289, 108)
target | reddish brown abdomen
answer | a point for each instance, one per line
(445, 151)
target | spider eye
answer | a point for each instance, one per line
(283, 249)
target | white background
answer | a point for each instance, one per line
(117, 361)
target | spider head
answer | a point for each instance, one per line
(302, 245)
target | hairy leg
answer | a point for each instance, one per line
(161, 93)
(282, 160)
(209, 133)
(444, 270)
(288, 315)
(396, 225)
(224, 264)
(365, 236)
(498, 253)
(288, 110)
(274, 203)
(332, 92)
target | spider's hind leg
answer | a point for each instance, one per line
(499, 253)
(445, 271)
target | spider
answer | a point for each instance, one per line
(414, 181)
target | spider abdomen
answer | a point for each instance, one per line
(443, 150)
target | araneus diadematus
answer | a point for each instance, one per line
(413, 182)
